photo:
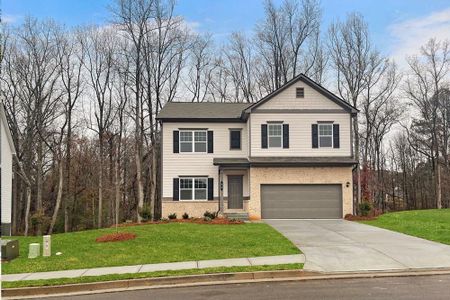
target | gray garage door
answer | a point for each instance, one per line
(301, 201)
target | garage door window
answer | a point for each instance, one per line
(325, 135)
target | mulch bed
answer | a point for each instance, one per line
(350, 217)
(115, 237)
(216, 221)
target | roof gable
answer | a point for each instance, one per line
(6, 128)
(315, 89)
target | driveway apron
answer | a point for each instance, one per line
(344, 246)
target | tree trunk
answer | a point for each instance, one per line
(39, 179)
(100, 185)
(58, 197)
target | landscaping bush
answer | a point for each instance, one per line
(172, 216)
(207, 219)
(210, 215)
(365, 208)
(145, 212)
(185, 216)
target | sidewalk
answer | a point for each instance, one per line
(201, 264)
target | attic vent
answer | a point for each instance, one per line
(300, 92)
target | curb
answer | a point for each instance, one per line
(200, 280)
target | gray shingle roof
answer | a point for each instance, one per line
(202, 110)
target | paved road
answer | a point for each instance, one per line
(339, 245)
(420, 287)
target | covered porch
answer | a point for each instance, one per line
(234, 186)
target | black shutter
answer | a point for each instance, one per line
(285, 135)
(336, 139)
(315, 136)
(210, 188)
(176, 189)
(263, 136)
(210, 141)
(176, 141)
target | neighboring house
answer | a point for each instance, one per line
(6, 159)
(288, 155)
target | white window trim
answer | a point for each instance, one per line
(192, 142)
(268, 135)
(193, 189)
(325, 135)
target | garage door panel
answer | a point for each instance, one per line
(301, 201)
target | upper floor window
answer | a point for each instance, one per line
(193, 141)
(325, 135)
(300, 92)
(275, 135)
(235, 139)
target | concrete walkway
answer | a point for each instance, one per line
(201, 264)
(344, 246)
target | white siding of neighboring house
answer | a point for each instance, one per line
(287, 99)
(179, 164)
(6, 172)
(300, 140)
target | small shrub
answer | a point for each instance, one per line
(145, 212)
(164, 219)
(365, 208)
(210, 215)
(185, 216)
(172, 216)
(207, 219)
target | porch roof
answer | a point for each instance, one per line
(275, 161)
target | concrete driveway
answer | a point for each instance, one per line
(344, 246)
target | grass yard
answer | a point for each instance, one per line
(430, 224)
(154, 243)
(88, 279)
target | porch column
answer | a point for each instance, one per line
(220, 190)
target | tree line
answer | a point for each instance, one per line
(82, 104)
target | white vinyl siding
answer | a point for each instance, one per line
(312, 99)
(6, 160)
(200, 164)
(300, 139)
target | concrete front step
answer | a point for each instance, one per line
(243, 216)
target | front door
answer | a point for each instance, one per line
(235, 192)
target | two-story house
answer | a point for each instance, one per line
(7, 151)
(288, 155)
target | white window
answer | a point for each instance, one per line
(193, 141)
(325, 135)
(194, 188)
(275, 135)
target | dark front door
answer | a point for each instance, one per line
(235, 192)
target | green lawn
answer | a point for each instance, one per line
(86, 279)
(431, 224)
(155, 243)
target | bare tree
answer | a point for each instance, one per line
(424, 87)
(99, 47)
(351, 51)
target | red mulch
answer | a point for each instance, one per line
(115, 237)
(216, 221)
(350, 217)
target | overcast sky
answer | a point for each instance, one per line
(398, 27)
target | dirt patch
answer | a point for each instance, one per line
(216, 221)
(116, 237)
(350, 217)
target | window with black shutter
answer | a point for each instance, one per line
(235, 139)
